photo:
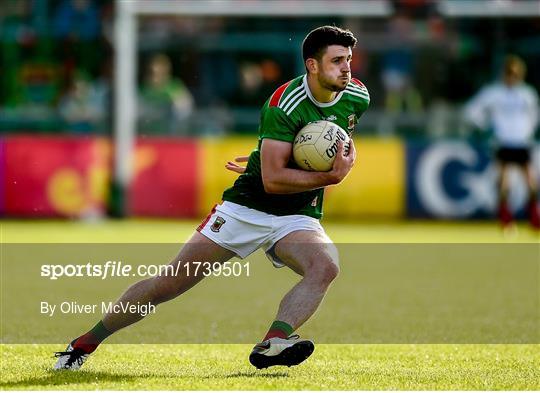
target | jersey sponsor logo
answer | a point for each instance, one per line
(330, 118)
(218, 223)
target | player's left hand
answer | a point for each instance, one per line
(232, 166)
(343, 162)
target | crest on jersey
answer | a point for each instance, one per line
(352, 121)
(314, 201)
(218, 223)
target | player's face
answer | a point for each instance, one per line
(335, 68)
(513, 75)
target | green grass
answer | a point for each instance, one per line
(225, 366)
(332, 367)
(171, 231)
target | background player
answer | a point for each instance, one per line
(273, 205)
(510, 107)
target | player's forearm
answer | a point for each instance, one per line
(290, 181)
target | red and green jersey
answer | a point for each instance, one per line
(286, 112)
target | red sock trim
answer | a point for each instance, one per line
(87, 342)
(534, 214)
(505, 215)
(275, 333)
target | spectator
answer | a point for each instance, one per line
(84, 107)
(397, 73)
(165, 103)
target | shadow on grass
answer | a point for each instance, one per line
(65, 378)
(258, 374)
(68, 377)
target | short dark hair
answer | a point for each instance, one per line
(318, 40)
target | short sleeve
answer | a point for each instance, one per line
(361, 107)
(475, 110)
(361, 103)
(275, 124)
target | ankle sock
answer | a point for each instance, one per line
(89, 341)
(279, 329)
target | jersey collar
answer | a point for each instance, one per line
(319, 104)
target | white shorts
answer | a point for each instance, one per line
(243, 230)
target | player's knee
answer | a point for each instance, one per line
(332, 264)
(331, 271)
(325, 270)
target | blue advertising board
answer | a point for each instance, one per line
(457, 180)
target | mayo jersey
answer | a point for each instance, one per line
(286, 112)
(512, 112)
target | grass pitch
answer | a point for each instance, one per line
(225, 366)
(331, 367)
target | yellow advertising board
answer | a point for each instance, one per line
(376, 185)
(374, 188)
(214, 179)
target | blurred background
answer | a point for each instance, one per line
(193, 88)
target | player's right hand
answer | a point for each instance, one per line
(232, 166)
(343, 163)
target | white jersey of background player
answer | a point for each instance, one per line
(510, 108)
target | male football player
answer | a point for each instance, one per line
(272, 204)
(510, 107)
